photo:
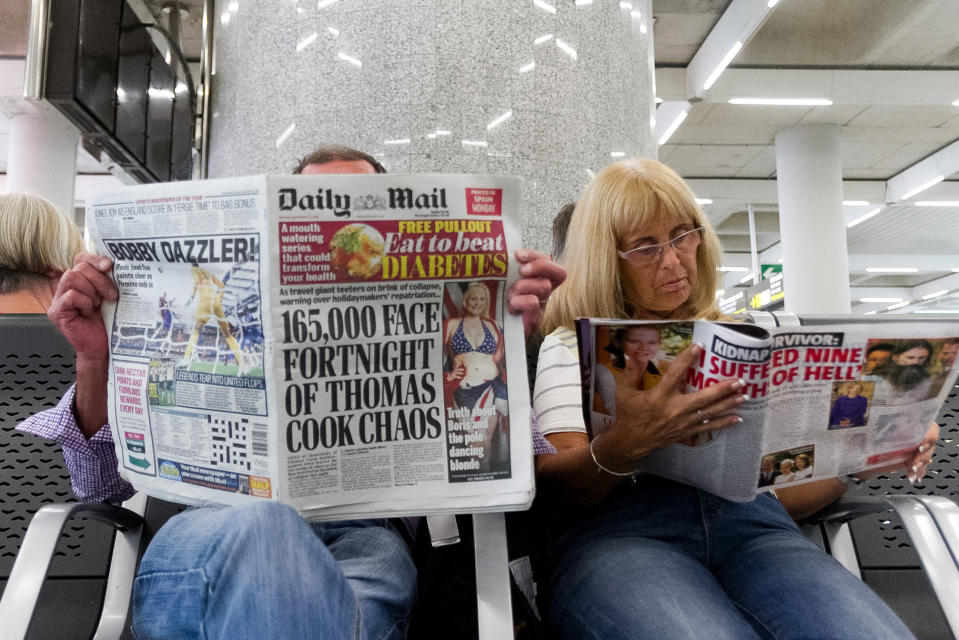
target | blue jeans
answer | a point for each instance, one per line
(260, 571)
(664, 560)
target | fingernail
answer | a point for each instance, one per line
(104, 264)
(521, 254)
(738, 419)
(524, 269)
(922, 448)
(915, 468)
(745, 397)
(912, 479)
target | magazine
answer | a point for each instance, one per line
(336, 343)
(823, 400)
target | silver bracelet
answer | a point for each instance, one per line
(600, 468)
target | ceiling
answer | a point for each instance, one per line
(891, 69)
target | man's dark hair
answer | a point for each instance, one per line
(560, 227)
(881, 346)
(331, 152)
(908, 345)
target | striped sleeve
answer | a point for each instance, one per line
(557, 395)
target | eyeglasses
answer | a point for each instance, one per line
(648, 254)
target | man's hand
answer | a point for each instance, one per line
(75, 310)
(528, 295)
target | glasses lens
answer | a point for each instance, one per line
(688, 241)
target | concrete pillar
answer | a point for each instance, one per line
(42, 158)
(551, 91)
(815, 256)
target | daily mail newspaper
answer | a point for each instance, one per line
(336, 343)
(823, 400)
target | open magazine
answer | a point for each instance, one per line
(336, 343)
(823, 400)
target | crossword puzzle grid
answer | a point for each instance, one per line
(230, 442)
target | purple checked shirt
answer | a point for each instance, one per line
(93, 463)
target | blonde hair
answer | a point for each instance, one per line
(625, 196)
(35, 239)
(472, 287)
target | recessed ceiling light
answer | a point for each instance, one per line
(880, 299)
(783, 102)
(922, 187)
(898, 305)
(892, 270)
(935, 294)
(863, 217)
(856, 203)
(714, 76)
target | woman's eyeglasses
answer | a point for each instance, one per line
(648, 254)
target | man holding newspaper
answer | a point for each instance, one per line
(258, 570)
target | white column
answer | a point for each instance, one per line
(42, 158)
(815, 256)
(550, 91)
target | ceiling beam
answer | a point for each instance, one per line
(741, 20)
(842, 86)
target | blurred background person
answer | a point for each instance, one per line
(877, 355)
(850, 407)
(37, 244)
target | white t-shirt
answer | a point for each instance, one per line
(557, 394)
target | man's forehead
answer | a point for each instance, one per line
(338, 166)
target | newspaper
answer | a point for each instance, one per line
(823, 400)
(336, 343)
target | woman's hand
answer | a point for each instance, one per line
(916, 464)
(665, 415)
(457, 374)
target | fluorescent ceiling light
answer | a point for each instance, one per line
(956, 103)
(659, 100)
(771, 4)
(500, 120)
(225, 18)
(565, 48)
(898, 305)
(703, 201)
(731, 269)
(671, 129)
(590, 173)
(636, 14)
(349, 58)
(747, 279)
(922, 187)
(545, 7)
(629, 5)
(307, 41)
(870, 313)
(324, 3)
(863, 217)
(892, 270)
(784, 102)
(856, 203)
(397, 141)
(580, 3)
(935, 294)
(617, 154)
(880, 299)
(476, 143)
(720, 293)
(714, 76)
(442, 132)
(283, 136)
(732, 298)
(940, 310)
(333, 31)
(543, 38)
(527, 67)
(642, 27)
(936, 203)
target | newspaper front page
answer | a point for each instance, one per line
(823, 400)
(337, 343)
